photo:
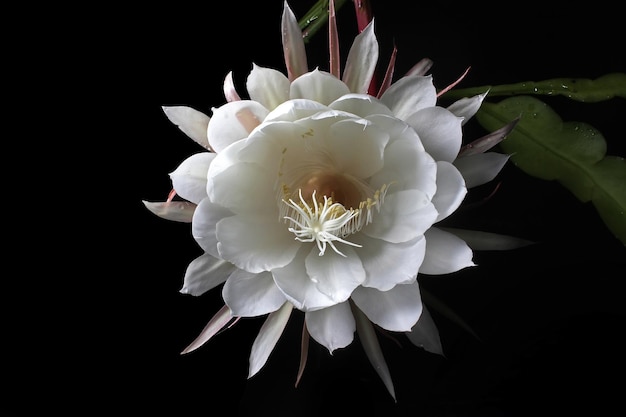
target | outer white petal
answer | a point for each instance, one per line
(267, 338)
(480, 168)
(361, 105)
(267, 86)
(234, 121)
(451, 189)
(245, 187)
(295, 283)
(189, 179)
(335, 275)
(425, 333)
(410, 94)
(332, 327)
(319, 86)
(397, 309)
(445, 253)
(205, 218)
(255, 243)
(467, 107)
(404, 216)
(178, 211)
(192, 122)
(440, 132)
(251, 295)
(397, 129)
(293, 44)
(295, 109)
(388, 264)
(361, 61)
(205, 273)
(479, 240)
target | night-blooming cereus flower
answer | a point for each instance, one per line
(316, 196)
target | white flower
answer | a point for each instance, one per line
(317, 196)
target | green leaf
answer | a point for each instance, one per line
(580, 89)
(572, 153)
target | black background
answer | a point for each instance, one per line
(550, 317)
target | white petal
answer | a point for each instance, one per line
(295, 109)
(397, 129)
(388, 264)
(232, 121)
(318, 86)
(445, 253)
(217, 323)
(404, 216)
(244, 187)
(332, 327)
(361, 61)
(205, 218)
(440, 132)
(397, 309)
(267, 338)
(189, 179)
(410, 94)
(205, 273)
(267, 86)
(479, 240)
(357, 147)
(467, 107)
(425, 333)
(335, 275)
(178, 211)
(295, 283)
(192, 122)
(251, 295)
(480, 168)
(361, 105)
(293, 44)
(255, 243)
(450, 189)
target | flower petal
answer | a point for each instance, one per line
(226, 125)
(480, 240)
(205, 273)
(250, 295)
(410, 94)
(404, 216)
(425, 333)
(189, 179)
(192, 122)
(332, 327)
(319, 86)
(389, 264)
(178, 211)
(450, 189)
(480, 168)
(293, 44)
(335, 275)
(267, 338)
(467, 107)
(362, 60)
(397, 309)
(267, 86)
(255, 243)
(244, 187)
(295, 109)
(440, 132)
(217, 323)
(295, 283)
(206, 216)
(445, 253)
(361, 105)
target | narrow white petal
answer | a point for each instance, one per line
(232, 122)
(397, 309)
(205, 218)
(445, 253)
(217, 323)
(389, 264)
(255, 243)
(189, 179)
(332, 327)
(440, 132)
(479, 240)
(267, 86)
(192, 122)
(451, 190)
(293, 44)
(335, 275)
(361, 61)
(251, 295)
(267, 338)
(425, 333)
(178, 211)
(205, 273)
(410, 94)
(467, 107)
(318, 86)
(480, 168)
